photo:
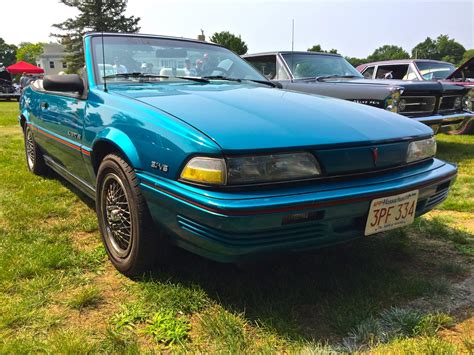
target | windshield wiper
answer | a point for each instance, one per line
(145, 75)
(199, 79)
(135, 75)
(221, 77)
(321, 78)
(265, 82)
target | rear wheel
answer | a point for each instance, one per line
(132, 243)
(34, 155)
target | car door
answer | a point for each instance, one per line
(62, 123)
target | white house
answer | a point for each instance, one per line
(52, 59)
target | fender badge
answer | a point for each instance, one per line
(162, 167)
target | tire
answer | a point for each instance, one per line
(34, 155)
(130, 239)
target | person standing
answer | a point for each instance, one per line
(24, 81)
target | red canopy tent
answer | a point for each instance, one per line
(24, 67)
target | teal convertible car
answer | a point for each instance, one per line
(182, 142)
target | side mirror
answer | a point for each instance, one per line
(63, 83)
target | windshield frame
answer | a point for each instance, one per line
(284, 56)
(96, 43)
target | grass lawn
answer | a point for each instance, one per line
(410, 290)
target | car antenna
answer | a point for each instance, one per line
(103, 63)
(292, 47)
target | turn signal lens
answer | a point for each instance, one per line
(205, 170)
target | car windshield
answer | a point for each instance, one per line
(153, 59)
(319, 65)
(434, 71)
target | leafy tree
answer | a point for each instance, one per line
(442, 48)
(449, 49)
(94, 15)
(317, 48)
(467, 55)
(356, 61)
(29, 52)
(7, 53)
(388, 52)
(230, 41)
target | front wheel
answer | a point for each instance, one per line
(132, 244)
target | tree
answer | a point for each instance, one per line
(467, 55)
(355, 62)
(7, 53)
(317, 48)
(230, 41)
(94, 15)
(442, 48)
(449, 49)
(29, 52)
(388, 52)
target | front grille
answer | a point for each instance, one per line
(446, 103)
(293, 233)
(417, 104)
(434, 200)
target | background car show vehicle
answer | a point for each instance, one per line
(443, 107)
(407, 69)
(464, 76)
(7, 90)
(214, 159)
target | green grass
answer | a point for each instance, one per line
(459, 149)
(88, 296)
(58, 292)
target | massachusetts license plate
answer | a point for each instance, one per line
(391, 212)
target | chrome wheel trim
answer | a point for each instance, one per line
(30, 149)
(116, 214)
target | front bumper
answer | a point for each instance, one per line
(240, 225)
(446, 123)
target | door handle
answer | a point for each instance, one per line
(44, 105)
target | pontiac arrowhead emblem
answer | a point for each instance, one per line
(375, 155)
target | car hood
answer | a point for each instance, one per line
(465, 65)
(240, 117)
(412, 84)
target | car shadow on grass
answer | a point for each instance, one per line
(320, 295)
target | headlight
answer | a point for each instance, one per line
(251, 169)
(458, 103)
(419, 150)
(275, 167)
(467, 100)
(211, 171)
(402, 105)
(393, 100)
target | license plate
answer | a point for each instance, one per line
(391, 212)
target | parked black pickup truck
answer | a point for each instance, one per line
(443, 107)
